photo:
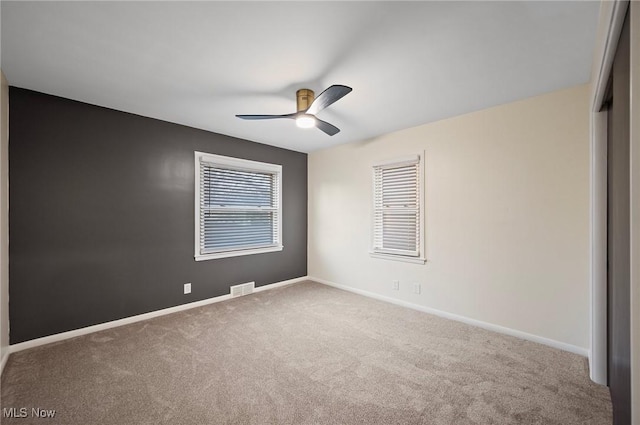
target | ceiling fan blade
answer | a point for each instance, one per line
(264, 117)
(327, 97)
(330, 129)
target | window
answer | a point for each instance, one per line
(398, 210)
(238, 207)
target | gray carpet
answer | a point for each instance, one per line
(302, 354)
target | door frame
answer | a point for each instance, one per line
(610, 23)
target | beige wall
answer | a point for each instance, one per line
(4, 220)
(507, 209)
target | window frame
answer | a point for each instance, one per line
(420, 248)
(231, 163)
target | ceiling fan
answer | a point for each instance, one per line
(308, 107)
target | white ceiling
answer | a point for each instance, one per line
(200, 63)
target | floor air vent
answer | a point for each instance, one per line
(242, 289)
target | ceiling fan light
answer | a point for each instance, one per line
(306, 121)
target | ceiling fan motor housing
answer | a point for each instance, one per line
(304, 99)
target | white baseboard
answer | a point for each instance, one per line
(279, 284)
(133, 319)
(485, 325)
(146, 316)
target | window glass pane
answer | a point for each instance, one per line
(399, 231)
(237, 229)
(399, 187)
(232, 187)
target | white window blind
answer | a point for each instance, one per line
(238, 207)
(397, 224)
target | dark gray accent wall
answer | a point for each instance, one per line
(102, 215)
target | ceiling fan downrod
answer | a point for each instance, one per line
(304, 99)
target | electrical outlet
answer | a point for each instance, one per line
(416, 288)
(395, 285)
(187, 288)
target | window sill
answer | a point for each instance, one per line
(237, 253)
(415, 260)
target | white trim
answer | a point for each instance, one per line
(237, 253)
(280, 284)
(484, 325)
(611, 19)
(4, 360)
(598, 242)
(403, 258)
(140, 317)
(241, 165)
(398, 162)
(634, 158)
(237, 163)
(610, 24)
(418, 159)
